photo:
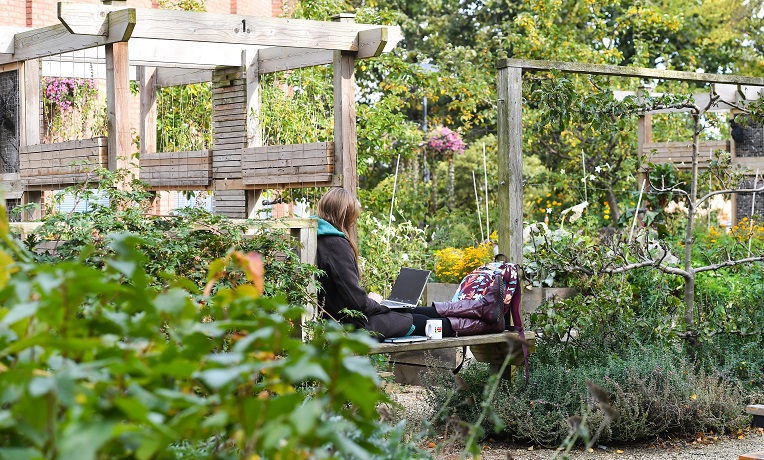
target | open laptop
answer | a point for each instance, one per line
(407, 289)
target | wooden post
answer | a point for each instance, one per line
(510, 162)
(250, 61)
(29, 87)
(345, 149)
(147, 77)
(117, 102)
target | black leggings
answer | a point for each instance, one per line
(422, 314)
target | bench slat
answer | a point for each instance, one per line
(453, 342)
(755, 409)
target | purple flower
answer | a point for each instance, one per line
(444, 140)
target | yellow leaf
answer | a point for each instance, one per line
(619, 451)
(530, 448)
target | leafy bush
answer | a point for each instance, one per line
(180, 245)
(385, 249)
(98, 364)
(655, 390)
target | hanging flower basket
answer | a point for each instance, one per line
(445, 142)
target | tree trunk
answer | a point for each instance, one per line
(613, 203)
(689, 281)
(415, 173)
(450, 185)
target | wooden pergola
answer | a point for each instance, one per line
(169, 48)
(510, 131)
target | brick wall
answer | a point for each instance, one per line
(40, 13)
(14, 12)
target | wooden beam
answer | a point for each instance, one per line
(84, 19)
(227, 28)
(188, 54)
(510, 162)
(278, 59)
(620, 71)
(167, 76)
(57, 39)
(117, 106)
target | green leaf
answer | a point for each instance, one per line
(174, 301)
(82, 441)
(20, 453)
(21, 311)
(218, 378)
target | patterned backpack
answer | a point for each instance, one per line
(476, 284)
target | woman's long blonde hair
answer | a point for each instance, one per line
(341, 209)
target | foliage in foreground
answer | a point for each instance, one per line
(178, 245)
(97, 364)
(654, 391)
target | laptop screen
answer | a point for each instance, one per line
(409, 285)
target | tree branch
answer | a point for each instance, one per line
(729, 263)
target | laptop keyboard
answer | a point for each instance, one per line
(392, 303)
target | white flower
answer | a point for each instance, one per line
(575, 211)
(592, 177)
(549, 210)
(562, 171)
(404, 257)
(598, 169)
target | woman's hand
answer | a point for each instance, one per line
(375, 297)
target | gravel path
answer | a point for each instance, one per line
(411, 398)
(725, 448)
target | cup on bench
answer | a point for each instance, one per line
(434, 329)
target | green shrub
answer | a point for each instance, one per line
(177, 246)
(95, 363)
(655, 390)
(385, 248)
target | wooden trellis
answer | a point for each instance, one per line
(510, 135)
(160, 48)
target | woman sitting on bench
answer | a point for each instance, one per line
(340, 289)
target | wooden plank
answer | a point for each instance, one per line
(510, 227)
(56, 39)
(309, 179)
(166, 76)
(84, 19)
(76, 145)
(621, 71)
(452, 342)
(752, 163)
(245, 30)
(202, 56)
(278, 59)
(755, 409)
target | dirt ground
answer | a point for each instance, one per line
(411, 399)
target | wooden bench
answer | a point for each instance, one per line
(757, 410)
(487, 348)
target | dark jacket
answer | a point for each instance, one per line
(340, 288)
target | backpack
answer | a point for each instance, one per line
(476, 284)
